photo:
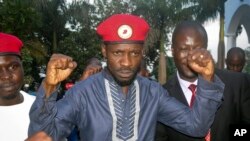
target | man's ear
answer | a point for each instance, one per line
(104, 50)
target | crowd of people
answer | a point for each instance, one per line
(119, 102)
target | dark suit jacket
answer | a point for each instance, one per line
(235, 108)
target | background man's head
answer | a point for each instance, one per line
(93, 62)
(235, 60)
(11, 70)
(187, 36)
(93, 66)
(123, 36)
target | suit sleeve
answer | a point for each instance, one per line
(245, 100)
(196, 121)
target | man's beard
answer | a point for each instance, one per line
(124, 83)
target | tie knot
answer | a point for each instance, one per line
(192, 87)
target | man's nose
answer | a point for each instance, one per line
(5, 74)
(126, 60)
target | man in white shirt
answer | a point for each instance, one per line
(14, 103)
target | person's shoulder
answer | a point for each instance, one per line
(26, 95)
(247, 76)
(150, 88)
(92, 87)
(28, 99)
(231, 78)
(91, 82)
(171, 81)
(229, 74)
(145, 81)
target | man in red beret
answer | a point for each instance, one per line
(118, 104)
(14, 103)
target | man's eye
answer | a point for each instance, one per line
(117, 53)
(135, 53)
(184, 49)
(13, 67)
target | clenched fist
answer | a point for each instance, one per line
(201, 61)
(58, 69)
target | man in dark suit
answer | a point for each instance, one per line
(235, 109)
(235, 60)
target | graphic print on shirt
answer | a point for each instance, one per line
(124, 110)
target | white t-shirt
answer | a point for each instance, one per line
(14, 120)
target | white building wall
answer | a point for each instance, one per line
(233, 17)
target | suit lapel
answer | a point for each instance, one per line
(174, 88)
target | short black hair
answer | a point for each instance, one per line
(190, 24)
(236, 50)
(93, 60)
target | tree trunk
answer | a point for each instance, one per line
(221, 45)
(162, 71)
(54, 42)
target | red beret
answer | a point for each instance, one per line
(123, 28)
(10, 44)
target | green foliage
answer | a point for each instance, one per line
(53, 20)
(171, 68)
(49, 26)
(81, 47)
(27, 61)
(18, 17)
(29, 73)
(106, 8)
(81, 15)
(247, 66)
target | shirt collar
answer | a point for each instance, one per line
(185, 83)
(107, 75)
